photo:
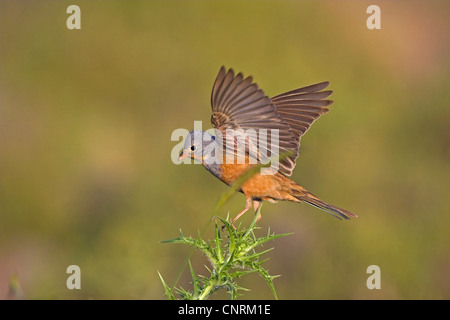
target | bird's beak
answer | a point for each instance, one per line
(182, 156)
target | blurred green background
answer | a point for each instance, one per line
(87, 116)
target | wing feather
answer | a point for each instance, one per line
(238, 103)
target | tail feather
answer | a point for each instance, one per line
(334, 211)
(305, 196)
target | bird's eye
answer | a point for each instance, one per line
(193, 148)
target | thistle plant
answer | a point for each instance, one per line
(231, 255)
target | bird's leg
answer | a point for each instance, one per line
(257, 206)
(248, 205)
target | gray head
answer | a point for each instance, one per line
(198, 146)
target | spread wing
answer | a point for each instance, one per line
(238, 104)
(301, 107)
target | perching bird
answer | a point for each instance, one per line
(238, 104)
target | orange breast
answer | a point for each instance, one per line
(231, 172)
(277, 186)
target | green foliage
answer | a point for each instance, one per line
(230, 258)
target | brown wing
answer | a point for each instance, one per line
(238, 103)
(301, 107)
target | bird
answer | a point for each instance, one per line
(240, 111)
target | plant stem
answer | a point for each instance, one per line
(206, 291)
